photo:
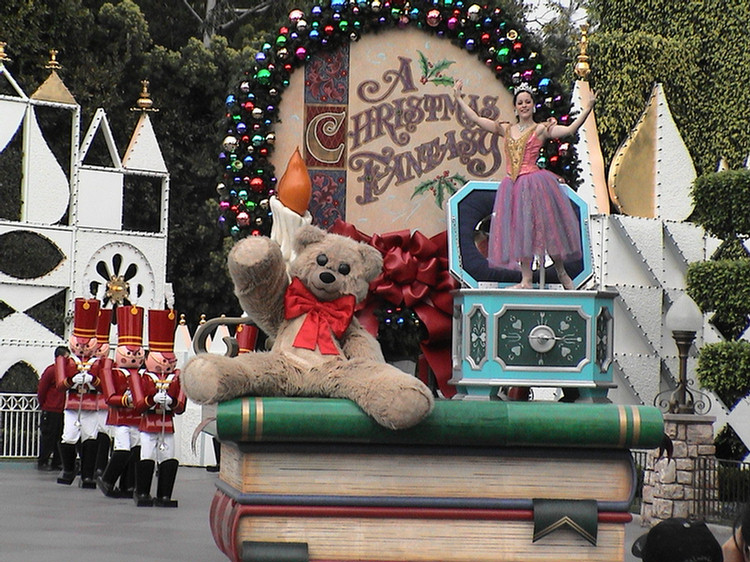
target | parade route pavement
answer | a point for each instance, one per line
(42, 521)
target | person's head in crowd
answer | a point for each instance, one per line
(678, 540)
(737, 548)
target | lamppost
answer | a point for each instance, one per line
(683, 320)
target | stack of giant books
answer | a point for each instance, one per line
(317, 480)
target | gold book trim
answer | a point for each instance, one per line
(636, 424)
(623, 416)
(258, 419)
(245, 416)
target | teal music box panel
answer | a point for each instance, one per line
(509, 337)
(469, 214)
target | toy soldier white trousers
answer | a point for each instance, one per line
(150, 443)
(86, 429)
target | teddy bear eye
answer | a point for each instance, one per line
(344, 269)
(322, 259)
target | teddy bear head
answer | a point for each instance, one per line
(331, 265)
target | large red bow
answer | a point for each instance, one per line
(415, 273)
(323, 317)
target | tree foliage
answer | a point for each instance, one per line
(722, 285)
(725, 368)
(106, 49)
(699, 50)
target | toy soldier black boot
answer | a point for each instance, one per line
(165, 483)
(143, 476)
(68, 457)
(88, 464)
(103, 443)
(117, 464)
(127, 480)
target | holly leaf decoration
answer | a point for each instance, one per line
(443, 81)
(440, 66)
(443, 187)
(434, 72)
(424, 64)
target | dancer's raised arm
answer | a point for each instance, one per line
(558, 131)
(473, 116)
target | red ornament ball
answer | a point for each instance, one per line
(257, 184)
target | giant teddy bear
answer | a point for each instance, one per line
(319, 348)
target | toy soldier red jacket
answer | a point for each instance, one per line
(87, 395)
(117, 394)
(144, 386)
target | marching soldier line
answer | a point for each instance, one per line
(127, 404)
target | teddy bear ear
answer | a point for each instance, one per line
(307, 235)
(372, 261)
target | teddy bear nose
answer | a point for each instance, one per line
(327, 277)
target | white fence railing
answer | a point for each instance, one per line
(19, 426)
(19, 431)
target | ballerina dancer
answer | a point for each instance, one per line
(532, 214)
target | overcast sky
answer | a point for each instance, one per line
(540, 13)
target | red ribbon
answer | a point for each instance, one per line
(415, 273)
(323, 317)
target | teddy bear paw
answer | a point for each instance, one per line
(404, 408)
(200, 380)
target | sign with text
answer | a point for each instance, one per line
(381, 134)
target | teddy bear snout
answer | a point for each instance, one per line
(327, 277)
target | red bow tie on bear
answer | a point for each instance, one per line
(323, 317)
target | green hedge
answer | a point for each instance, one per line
(722, 287)
(724, 367)
(722, 203)
(705, 82)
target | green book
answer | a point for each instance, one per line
(452, 422)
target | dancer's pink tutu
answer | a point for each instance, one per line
(532, 215)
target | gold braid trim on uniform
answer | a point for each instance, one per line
(514, 149)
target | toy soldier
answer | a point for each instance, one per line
(129, 357)
(158, 395)
(79, 375)
(103, 439)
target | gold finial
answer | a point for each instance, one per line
(3, 55)
(144, 103)
(52, 64)
(203, 319)
(582, 67)
(182, 320)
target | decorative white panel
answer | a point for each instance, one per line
(100, 198)
(645, 235)
(18, 328)
(644, 304)
(623, 262)
(674, 166)
(624, 392)
(24, 297)
(141, 265)
(12, 116)
(61, 237)
(47, 191)
(642, 373)
(674, 270)
(143, 153)
(38, 356)
(593, 187)
(690, 239)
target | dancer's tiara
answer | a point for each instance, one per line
(523, 87)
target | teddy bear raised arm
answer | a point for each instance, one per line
(320, 349)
